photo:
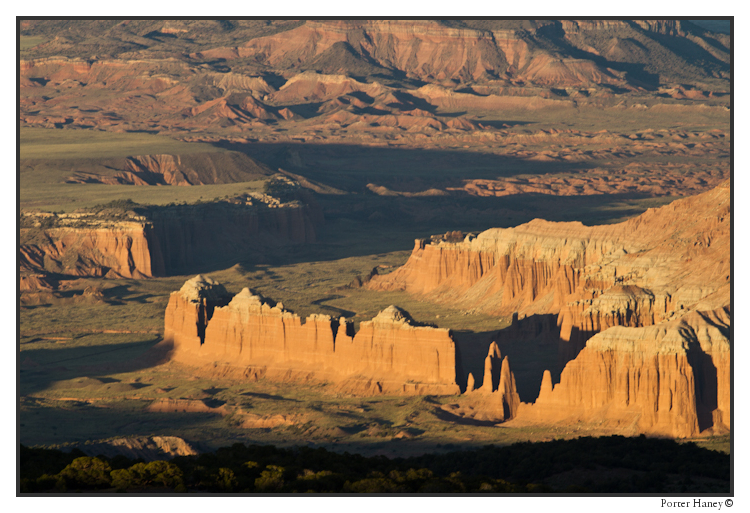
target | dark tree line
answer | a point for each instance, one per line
(652, 464)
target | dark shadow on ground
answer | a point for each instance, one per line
(333, 310)
(351, 167)
(40, 368)
(466, 421)
(270, 397)
(532, 346)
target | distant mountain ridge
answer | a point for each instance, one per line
(629, 54)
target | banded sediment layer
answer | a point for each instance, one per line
(162, 241)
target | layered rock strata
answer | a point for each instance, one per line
(166, 241)
(646, 269)
(653, 292)
(120, 250)
(389, 354)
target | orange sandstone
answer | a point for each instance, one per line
(389, 354)
(669, 379)
(653, 292)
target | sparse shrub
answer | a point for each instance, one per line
(226, 480)
(87, 473)
(280, 188)
(518, 468)
(43, 483)
(156, 473)
(323, 481)
(119, 204)
(374, 485)
(270, 480)
(121, 479)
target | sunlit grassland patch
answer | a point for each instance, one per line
(63, 197)
(715, 443)
(28, 42)
(142, 312)
(49, 157)
(41, 143)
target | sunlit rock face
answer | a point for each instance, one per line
(642, 308)
(389, 354)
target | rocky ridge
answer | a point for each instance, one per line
(161, 240)
(361, 73)
(642, 310)
(248, 336)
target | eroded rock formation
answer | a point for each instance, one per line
(164, 241)
(185, 170)
(669, 379)
(120, 250)
(639, 272)
(653, 292)
(497, 398)
(245, 334)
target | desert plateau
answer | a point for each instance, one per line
(375, 256)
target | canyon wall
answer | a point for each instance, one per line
(192, 236)
(653, 292)
(670, 379)
(120, 250)
(164, 241)
(245, 334)
(639, 272)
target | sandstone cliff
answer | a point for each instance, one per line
(247, 335)
(653, 292)
(120, 250)
(645, 269)
(163, 241)
(670, 379)
(497, 399)
(391, 351)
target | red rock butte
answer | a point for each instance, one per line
(245, 335)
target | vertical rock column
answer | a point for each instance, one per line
(188, 313)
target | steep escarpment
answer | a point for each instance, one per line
(650, 267)
(421, 48)
(394, 353)
(480, 52)
(247, 335)
(160, 241)
(108, 249)
(188, 237)
(164, 169)
(668, 379)
(639, 310)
